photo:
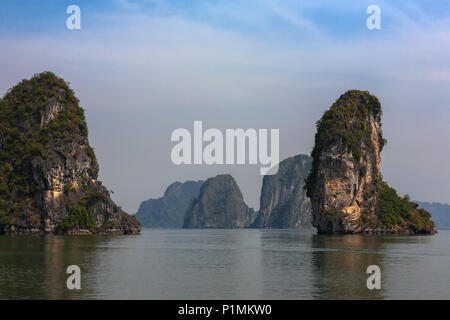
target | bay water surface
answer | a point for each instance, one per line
(225, 264)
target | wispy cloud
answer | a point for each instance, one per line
(291, 15)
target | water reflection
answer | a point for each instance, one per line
(340, 264)
(34, 267)
(182, 264)
(286, 262)
(304, 265)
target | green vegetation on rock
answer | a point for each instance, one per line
(394, 210)
(440, 213)
(82, 215)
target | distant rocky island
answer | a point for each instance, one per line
(169, 210)
(440, 212)
(220, 204)
(345, 185)
(48, 170)
(283, 200)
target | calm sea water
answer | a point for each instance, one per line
(225, 264)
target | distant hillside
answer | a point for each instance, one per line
(283, 201)
(220, 204)
(440, 213)
(168, 211)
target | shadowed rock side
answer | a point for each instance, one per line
(168, 211)
(345, 185)
(220, 204)
(48, 171)
(283, 202)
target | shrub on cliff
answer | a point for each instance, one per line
(393, 210)
(82, 216)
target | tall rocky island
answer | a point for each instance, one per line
(283, 201)
(220, 204)
(345, 185)
(48, 171)
(168, 211)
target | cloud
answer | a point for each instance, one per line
(291, 16)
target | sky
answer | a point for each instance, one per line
(142, 69)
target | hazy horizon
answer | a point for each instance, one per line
(144, 68)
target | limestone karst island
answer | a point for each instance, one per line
(345, 185)
(48, 170)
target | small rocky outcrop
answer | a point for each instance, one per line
(168, 211)
(48, 170)
(345, 185)
(220, 204)
(440, 213)
(283, 201)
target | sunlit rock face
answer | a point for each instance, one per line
(345, 185)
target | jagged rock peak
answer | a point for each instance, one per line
(220, 204)
(48, 170)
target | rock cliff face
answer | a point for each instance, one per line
(219, 205)
(345, 186)
(168, 211)
(283, 202)
(48, 171)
